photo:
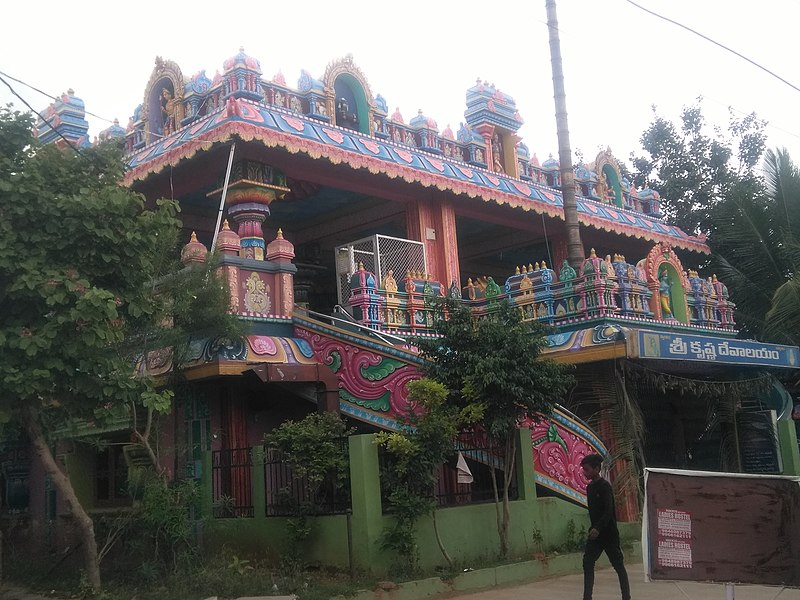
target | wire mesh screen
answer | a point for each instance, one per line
(379, 254)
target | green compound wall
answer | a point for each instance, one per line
(469, 532)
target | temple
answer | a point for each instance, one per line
(341, 219)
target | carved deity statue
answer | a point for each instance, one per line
(610, 195)
(497, 155)
(344, 117)
(664, 289)
(169, 111)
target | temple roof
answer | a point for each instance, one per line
(273, 126)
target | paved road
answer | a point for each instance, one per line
(606, 587)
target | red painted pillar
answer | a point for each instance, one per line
(433, 222)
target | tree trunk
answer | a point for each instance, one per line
(64, 487)
(497, 509)
(575, 252)
(508, 466)
(439, 542)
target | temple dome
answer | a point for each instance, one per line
(194, 251)
(280, 249)
(307, 83)
(397, 117)
(115, 131)
(228, 240)
(242, 60)
(381, 105)
(422, 121)
(551, 163)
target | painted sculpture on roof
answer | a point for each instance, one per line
(488, 139)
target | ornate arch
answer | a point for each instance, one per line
(354, 76)
(164, 72)
(606, 165)
(661, 259)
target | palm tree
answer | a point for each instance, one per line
(575, 254)
(756, 246)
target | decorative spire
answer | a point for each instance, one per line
(228, 241)
(194, 251)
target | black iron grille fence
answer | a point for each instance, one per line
(232, 485)
(481, 455)
(288, 492)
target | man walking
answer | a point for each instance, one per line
(603, 532)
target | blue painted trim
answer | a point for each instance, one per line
(273, 118)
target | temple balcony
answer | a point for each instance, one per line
(656, 293)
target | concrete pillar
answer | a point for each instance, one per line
(526, 474)
(365, 485)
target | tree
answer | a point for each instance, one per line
(417, 451)
(314, 449)
(89, 282)
(694, 171)
(755, 244)
(492, 367)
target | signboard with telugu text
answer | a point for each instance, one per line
(679, 346)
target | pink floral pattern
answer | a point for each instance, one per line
(557, 453)
(522, 188)
(351, 359)
(406, 156)
(262, 344)
(371, 146)
(336, 136)
(295, 124)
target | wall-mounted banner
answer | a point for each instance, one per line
(678, 346)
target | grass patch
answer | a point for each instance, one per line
(224, 574)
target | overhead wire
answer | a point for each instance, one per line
(44, 120)
(716, 43)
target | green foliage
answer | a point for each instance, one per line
(537, 538)
(695, 171)
(315, 449)
(574, 538)
(90, 282)
(223, 574)
(239, 565)
(313, 446)
(415, 453)
(756, 252)
(89, 279)
(492, 366)
(493, 372)
(157, 529)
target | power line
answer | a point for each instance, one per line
(50, 125)
(51, 96)
(716, 43)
